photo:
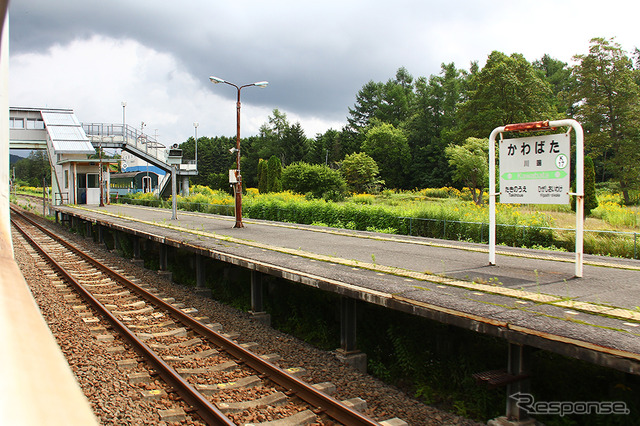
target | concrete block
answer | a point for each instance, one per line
(127, 364)
(503, 421)
(203, 292)
(394, 422)
(357, 404)
(301, 418)
(356, 359)
(167, 275)
(245, 382)
(261, 317)
(326, 387)
(296, 371)
(104, 337)
(250, 346)
(271, 357)
(275, 399)
(135, 378)
(153, 394)
(173, 415)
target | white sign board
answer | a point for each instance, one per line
(535, 170)
(233, 176)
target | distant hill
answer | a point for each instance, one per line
(14, 158)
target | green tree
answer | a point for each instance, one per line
(326, 148)
(33, 169)
(607, 103)
(360, 172)
(316, 179)
(271, 136)
(471, 165)
(558, 75)
(389, 148)
(274, 174)
(389, 102)
(437, 101)
(262, 176)
(368, 101)
(214, 160)
(507, 90)
(293, 145)
(590, 198)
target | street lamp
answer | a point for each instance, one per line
(195, 125)
(124, 105)
(238, 184)
(101, 183)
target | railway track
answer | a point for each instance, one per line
(217, 380)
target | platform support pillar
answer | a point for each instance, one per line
(348, 353)
(199, 271)
(116, 239)
(100, 234)
(163, 261)
(185, 186)
(88, 230)
(257, 299)
(348, 324)
(136, 247)
(137, 251)
(518, 364)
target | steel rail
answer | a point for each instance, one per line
(321, 401)
(207, 411)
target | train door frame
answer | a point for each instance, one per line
(147, 184)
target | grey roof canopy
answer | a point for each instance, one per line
(66, 133)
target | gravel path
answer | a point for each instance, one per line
(115, 402)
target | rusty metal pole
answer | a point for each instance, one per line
(238, 185)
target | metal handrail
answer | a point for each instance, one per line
(130, 136)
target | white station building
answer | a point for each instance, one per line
(71, 149)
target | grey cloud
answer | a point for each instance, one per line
(316, 56)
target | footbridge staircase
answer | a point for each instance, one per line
(145, 147)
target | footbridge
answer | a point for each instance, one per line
(59, 132)
(145, 147)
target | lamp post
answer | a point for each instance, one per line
(195, 126)
(101, 177)
(238, 184)
(124, 105)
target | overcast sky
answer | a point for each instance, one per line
(91, 55)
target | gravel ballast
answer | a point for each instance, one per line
(116, 402)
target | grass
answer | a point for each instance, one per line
(434, 212)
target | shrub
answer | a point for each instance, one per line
(317, 179)
(360, 172)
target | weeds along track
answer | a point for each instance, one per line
(204, 373)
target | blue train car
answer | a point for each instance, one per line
(130, 182)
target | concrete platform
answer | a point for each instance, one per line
(530, 297)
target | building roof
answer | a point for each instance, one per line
(66, 133)
(131, 174)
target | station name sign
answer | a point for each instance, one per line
(535, 170)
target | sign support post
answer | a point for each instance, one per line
(579, 194)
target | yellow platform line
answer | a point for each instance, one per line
(591, 308)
